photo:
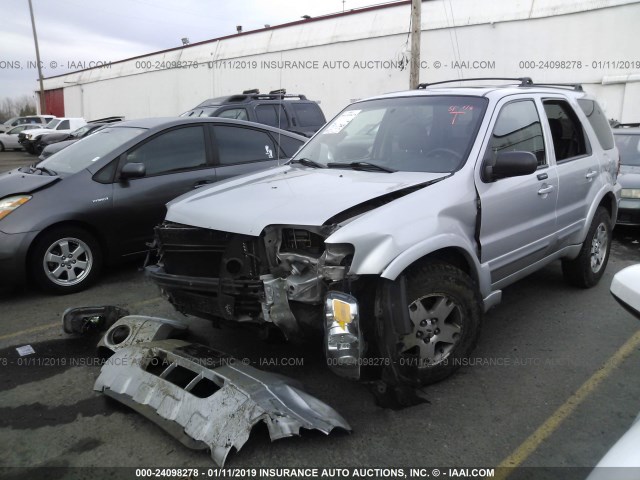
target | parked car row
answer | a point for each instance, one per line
(25, 120)
(9, 139)
(30, 139)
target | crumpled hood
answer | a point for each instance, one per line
(286, 195)
(14, 182)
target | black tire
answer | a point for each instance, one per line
(29, 149)
(1, 147)
(84, 260)
(588, 267)
(450, 299)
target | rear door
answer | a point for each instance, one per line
(578, 168)
(518, 220)
(239, 149)
(177, 160)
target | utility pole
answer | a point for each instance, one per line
(416, 29)
(43, 102)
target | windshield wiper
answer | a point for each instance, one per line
(361, 166)
(307, 162)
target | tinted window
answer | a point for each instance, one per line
(273, 115)
(308, 114)
(235, 113)
(518, 129)
(598, 122)
(629, 147)
(242, 145)
(566, 130)
(174, 150)
(64, 125)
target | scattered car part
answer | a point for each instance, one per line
(207, 399)
(136, 329)
(87, 319)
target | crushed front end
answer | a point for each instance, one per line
(286, 277)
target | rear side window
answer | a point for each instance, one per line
(518, 129)
(64, 125)
(566, 130)
(273, 115)
(234, 113)
(243, 145)
(308, 114)
(175, 150)
(598, 122)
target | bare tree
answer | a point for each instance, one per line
(21, 106)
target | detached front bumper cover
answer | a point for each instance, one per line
(207, 399)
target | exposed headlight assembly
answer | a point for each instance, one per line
(28, 136)
(630, 193)
(9, 204)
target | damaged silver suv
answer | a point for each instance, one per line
(400, 222)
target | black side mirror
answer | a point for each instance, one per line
(511, 164)
(132, 170)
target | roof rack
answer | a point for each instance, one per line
(247, 92)
(107, 120)
(523, 82)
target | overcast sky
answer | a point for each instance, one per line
(86, 30)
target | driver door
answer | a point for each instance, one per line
(518, 214)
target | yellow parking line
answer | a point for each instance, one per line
(58, 324)
(562, 413)
(30, 330)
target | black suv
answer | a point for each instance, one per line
(294, 113)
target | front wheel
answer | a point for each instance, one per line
(588, 267)
(65, 260)
(444, 309)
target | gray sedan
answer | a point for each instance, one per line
(97, 201)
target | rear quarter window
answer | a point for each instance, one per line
(308, 114)
(598, 122)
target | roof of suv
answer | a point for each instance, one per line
(249, 97)
(517, 86)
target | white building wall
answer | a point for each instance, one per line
(597, 41)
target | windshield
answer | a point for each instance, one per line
(53, 123)
(629, 148)
(411, 134)
(80, 155)
(10, 121)
(80, 131)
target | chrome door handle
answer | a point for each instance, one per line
(590, 174)
(545, 190)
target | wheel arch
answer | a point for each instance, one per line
(454, 253)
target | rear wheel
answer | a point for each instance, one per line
(1, 147)
(445, 315)
(65, 260)
(588, 267)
